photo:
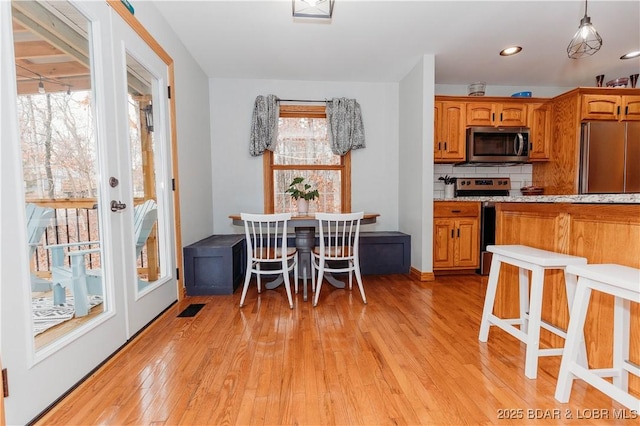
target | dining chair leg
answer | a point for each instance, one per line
(258, 275)
(316, 295)
(245, 287)
(287, 284)
(359, 281)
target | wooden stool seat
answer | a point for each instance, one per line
(623, 283)
(529, 322)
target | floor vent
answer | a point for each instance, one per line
(191, 310)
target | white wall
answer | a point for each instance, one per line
(237, 177)
(192, 115)
(416, 158)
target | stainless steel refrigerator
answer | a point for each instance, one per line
(610, 157)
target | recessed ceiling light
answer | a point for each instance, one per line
(512, 50)
(631, 55)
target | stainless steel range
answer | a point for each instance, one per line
(475, 187)
(482, 186)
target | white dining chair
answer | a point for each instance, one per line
(339, 239)
(266, 240)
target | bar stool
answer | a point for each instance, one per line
(623, 283)
(537, 261)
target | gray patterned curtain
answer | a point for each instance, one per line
(264, 124)
(346, 130)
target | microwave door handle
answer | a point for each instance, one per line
(520, 146)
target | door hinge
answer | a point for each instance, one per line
(5, 383)
(173, 184)
(177, 273)
(169, 91)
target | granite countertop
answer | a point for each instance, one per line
(585, 199)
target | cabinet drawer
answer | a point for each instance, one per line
(456, 209)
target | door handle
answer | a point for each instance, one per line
(117, 206)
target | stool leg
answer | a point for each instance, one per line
(487, 311)
(621, 324)
(571, 282)
(572, 343)
(533, 332)
(523, 284)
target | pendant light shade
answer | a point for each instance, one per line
(586, 41)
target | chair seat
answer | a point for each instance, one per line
(615, 275)
(536, 256)
(272, 254)
(334, 252)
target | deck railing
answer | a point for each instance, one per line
(74, 221)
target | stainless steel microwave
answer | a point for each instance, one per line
(497, 145)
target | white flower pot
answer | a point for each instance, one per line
(449, 191)
(303, 206)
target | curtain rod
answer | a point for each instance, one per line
(303, 100)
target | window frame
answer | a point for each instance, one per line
(305, 111)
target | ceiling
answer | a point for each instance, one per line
(381, 41)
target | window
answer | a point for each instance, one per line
(303, 149)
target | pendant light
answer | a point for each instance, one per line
(586, 41)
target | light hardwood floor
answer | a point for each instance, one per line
(411, 356)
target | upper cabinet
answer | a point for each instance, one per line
(507, 114)
(610, 107)
(450, 132)
(539, 123)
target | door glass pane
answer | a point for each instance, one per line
(59, 162)
(144, 166)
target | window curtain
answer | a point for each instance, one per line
(264, 124)
(346, 130)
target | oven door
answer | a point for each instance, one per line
(487, 235)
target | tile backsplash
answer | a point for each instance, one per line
(520, 175)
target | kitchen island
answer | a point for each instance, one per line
(604, 231)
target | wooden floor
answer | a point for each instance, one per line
(411, 356)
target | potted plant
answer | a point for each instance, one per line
(448, 185)
(302, 193)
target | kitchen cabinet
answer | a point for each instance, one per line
(456, 235)
(539, 123)
(610, 107)
(506, 114)
(450, 132)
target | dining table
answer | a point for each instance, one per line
(305, 238)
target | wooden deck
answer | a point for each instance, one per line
(411, 356)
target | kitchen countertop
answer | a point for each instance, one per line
(585, 199)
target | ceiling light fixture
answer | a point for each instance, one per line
(586, 40)
(631, 55)
(322, 9)
(41, 86)
(511, 50)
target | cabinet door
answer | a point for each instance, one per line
(443, 239)
(437, 131)
(539, 123)
(450, 142)
(600, 107)
(467, 243)
(511, 114)
(480, 114)
(630, 108)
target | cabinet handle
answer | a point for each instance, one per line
(452, 233)
(455, 211)
(458, 232)
(618, 109)
(493, 116)
(626, 110)
(439, 146)
(530, 146)
(445, 146)
(501, 117)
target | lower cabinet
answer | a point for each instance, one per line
(456, 235)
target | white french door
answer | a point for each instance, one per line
(142, 95)
(132, 285)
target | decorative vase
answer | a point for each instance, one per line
(303, 206)
(449, 191)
